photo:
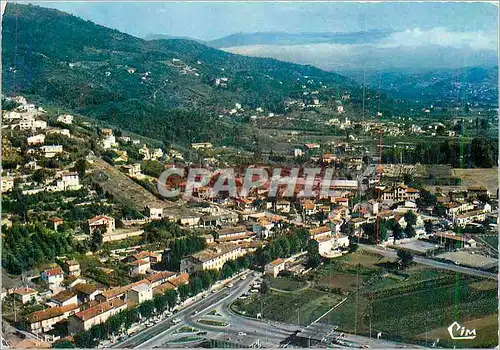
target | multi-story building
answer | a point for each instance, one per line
(139, 267)
(400, 193)
(69, 182)
(231, 234)
(140, 293)
(84, 320)
(72, 268)
(212, 258)
(44, 320)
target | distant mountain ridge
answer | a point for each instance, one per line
(171, 37)
(282, 38)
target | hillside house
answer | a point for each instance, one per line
(25, 294)
(54, 223)
(102, 222)
(53, 276)
(36, 140)
(65, 118)
(72, 268)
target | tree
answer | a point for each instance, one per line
(410, 218)
(184, 291)
(63, 344)
(313, 257)
(410, 231)
(353, 247)
(397, 231)
(96, 240)
(428, 227)
(405, 258)
(482, 151)
(81, 167)
(264, 287)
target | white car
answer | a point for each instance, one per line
(242, 333)
(176, 320)
(243, 278)
(230, 285)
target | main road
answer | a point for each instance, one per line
(271, 334)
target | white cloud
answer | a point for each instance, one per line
(479, 40)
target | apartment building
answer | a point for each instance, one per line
(211, 258)
(84, 320)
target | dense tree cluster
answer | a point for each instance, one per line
(479, 152)
(179, 248)
(26, 246)
(282, 246)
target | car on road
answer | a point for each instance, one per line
(195, 312)
(201, 333)
(230, 285)
(242, 333)
(176, 320)
(243, 278)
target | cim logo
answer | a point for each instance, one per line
(458, 332)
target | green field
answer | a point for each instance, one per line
(297, 308)
(286, 284)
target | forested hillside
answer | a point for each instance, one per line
(162, 88)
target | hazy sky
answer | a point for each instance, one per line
(211, 20)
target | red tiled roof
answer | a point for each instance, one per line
(49, 313)
(25, 291)
(160, 275)
(276, 262)
(99, 309)
(99, 217)
(56, 220)
(53, 272)
(139, 262)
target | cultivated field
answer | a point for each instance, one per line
(402, 304)
(479, 177)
